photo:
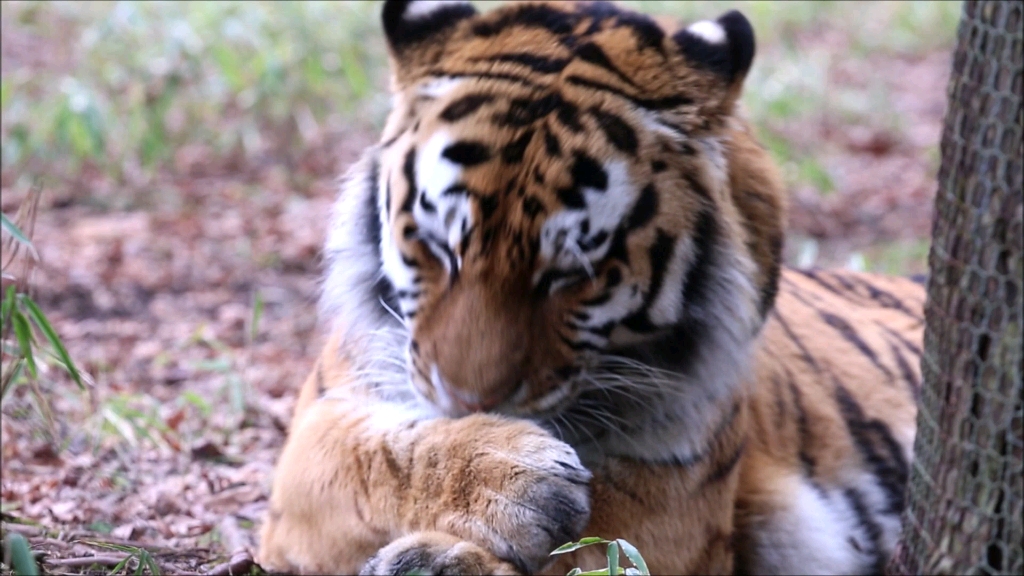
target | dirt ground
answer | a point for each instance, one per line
(172, 447)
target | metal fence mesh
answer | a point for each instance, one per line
(965, 495)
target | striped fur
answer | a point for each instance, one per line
(557, 310)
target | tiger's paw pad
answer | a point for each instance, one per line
(435, 553)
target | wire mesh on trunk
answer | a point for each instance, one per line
(964, 514)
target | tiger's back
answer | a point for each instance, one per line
(833, 410)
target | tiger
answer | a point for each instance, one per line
(556, 307)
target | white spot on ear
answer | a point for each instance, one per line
(710, 32)
(424, 8)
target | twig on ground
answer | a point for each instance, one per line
(240, 563)
(24, 529)
(85, 561)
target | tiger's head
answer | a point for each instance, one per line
(562, 193)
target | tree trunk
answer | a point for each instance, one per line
(964, 514)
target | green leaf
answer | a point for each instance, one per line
(601, 572)
(51, 335)
(573, 546)
(23, 332)
(121, 565)
(634, 556)
(12, 229)
(7, 306)
(21, 555)
(613, 558)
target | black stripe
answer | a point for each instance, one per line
(464, 106)
(876, 444)
(512, 153)
(467, 153)
(725, 467)
(649, 103)
(696, 290)
(618, 131)
(409, 172)
(320, 388)
(526, 111)
(551, 144)
(803, 427)
(532, 61)
(571, 197)
(908, 373)
(780, 403)
(808, 358)
(871, 528)
(698, 187)
(549, 277)
(883, 297)
(849, 333)
(660, 256)
(529, 16)
(646, 31)
(910, 345)
(598, 300)
(644, 209)
(770, 288)
(592, 53)
(813, 276)
(588, 173)
(578, 345)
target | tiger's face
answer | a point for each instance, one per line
(554, 186)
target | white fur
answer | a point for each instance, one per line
(424, 8)
(810, 536)
(710, 32)
(605, 210)
(668, 305)
(435, 174)
(437, 87)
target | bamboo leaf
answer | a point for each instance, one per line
(613, 558)
(573, 546)
(634, 556)
(23, 332)
(21, 555)
(51, 335)
(12, 229)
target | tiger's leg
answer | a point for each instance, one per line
(357, 474)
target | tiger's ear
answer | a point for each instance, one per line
(411, 26)
(724, 46)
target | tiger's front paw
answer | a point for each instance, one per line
(434, 553)
(520, 492)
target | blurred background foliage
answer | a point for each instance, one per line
(127, 89)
